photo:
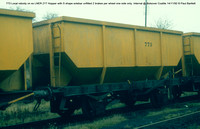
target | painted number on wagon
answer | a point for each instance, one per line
(148, 44)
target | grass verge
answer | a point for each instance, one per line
(22, 113)
(104, 122)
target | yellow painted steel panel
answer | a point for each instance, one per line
(14, 82)
(172, 49)
(16, 43)
(192, 43)
(100, 23)
(97, 51)
(188, 46)
(148, 49)
(83, 43)
(196, 48)
(12, 13)
(119, 45)
(41, 39)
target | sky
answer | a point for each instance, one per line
(182, 14)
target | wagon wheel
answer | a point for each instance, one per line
(92, 107)
(158, 99)
(128, 99)
(129, 103)
(67, 108)
(176, 93)
(67, 113)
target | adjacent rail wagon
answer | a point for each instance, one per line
(191, 44)
(16, 46)
(191, 62)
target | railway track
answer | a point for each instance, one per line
(163, 119)
(170, 122)
(59, 122)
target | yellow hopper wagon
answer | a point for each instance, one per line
(79, 51)
(191, 62)
(81, 56)
(16, 46)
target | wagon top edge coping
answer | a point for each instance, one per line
(15, 13)
(191, 34)
(102, 23)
